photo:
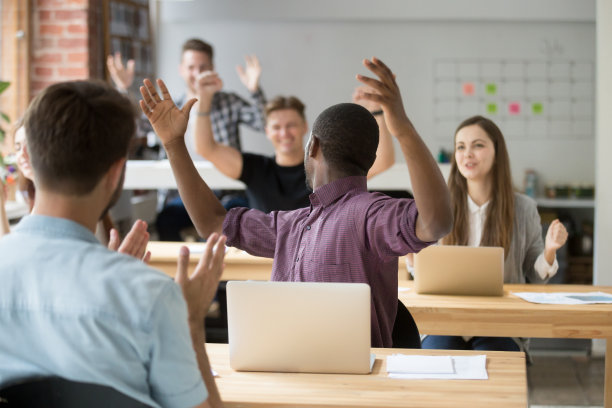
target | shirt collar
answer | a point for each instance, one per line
(55, 227)
(473, 207)
(330, 192)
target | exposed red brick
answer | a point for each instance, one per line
(72, 42)
(77, 29)
(50, 4)
(71, 15)
(74, 73)
(44, 15)
(81, 57)
(50, 58)
(44, 43)
(38, 86)
(43, 72)
(51, 29)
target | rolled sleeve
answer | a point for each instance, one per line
(544, 270)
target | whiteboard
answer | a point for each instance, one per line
(317, 60)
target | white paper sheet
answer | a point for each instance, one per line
(400, 289)
(565, 298)
(464, 368)
(402, 364)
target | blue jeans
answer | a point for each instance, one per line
(475, 343)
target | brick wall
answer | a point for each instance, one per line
(65, 43)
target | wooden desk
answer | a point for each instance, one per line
(238, 264)
(506, 386)
(513, 317)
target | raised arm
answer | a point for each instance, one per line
(170, 123)
(431, 194)
(385, 154)
(225, 158)
(122, 75)
(252, 115)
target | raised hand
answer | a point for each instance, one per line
(122, 76)
(250, 75)
(135, 242)
(386, 93)
(199, 289)
(207, 84)
(556, 236)
(168, 121)
(358, 98)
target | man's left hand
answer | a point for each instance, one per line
(250, 75)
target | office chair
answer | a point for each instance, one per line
(55, 392)
(405, 331)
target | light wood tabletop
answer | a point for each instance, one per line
(238, 264)
(511, 316)
(506, 386)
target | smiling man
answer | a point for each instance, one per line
(272, 183)
(276, 183)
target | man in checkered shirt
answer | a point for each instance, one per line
(228, 111)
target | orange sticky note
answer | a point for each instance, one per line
(468, 88)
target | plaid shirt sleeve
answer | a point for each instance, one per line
(229, 110)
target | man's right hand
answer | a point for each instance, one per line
(168, 121)
(199, 289)
(208, 83)
(386, 93)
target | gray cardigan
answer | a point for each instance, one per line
(527, 243)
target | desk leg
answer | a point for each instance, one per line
(608, 375)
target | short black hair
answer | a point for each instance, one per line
(348, 135)
(75, 131)
(195, 44)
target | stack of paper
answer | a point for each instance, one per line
(437, 367)
(565, 298)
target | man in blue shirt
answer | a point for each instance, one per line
(71, 308)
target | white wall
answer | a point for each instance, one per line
(603, 164)
(313, 50)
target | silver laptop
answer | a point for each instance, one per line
(459, 270)
(299, 327)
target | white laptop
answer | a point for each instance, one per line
(459, 270)
(299, 327)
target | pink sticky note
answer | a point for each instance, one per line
(514, 108)
(468, 88)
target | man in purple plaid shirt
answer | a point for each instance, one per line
(347, 234)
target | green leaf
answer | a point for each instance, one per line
(4, 85)
(2, 134)
(5, 117)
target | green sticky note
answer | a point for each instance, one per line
(491, 89)
(537, 108)
(491, 108)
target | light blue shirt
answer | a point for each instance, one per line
(70, 307)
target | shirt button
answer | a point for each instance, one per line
(308, 227)
(297, 259)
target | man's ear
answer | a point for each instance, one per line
(314, 146)
(114, 173)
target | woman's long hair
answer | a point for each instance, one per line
(500, 211)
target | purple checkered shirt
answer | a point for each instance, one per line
(346, 235)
